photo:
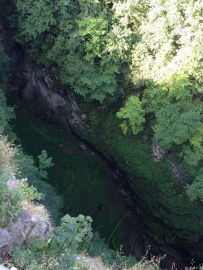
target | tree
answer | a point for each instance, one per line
(83, 55)
(193, 153)
(44, 163)
(195, 191)
(175, 125)
(35, 17)
(4, 65)
(94, 31)
(76, 37)
(170, 41)
(133, 114)
(6, 112)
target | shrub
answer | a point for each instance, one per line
(10, 199)
(59, 253)
(133, 115)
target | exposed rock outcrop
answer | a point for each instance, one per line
(40, 85)
(157, 151)
(76, 117)
(150, 183)
(33, 223)
(178, 171)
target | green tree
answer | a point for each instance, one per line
(45, 162)
(195, 191)
(170, 41)
(10, 208)
(94, 31)
(6, 112)
(78, 38)
(133, 114)
(36, 17)
(176, 125)
(4, 65)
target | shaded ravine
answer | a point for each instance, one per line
(133, 237)
(82, 167)
(168, 253)
(34, 86)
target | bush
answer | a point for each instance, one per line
(50, 199)
(4, 65)
(10, 209)
(59, 253)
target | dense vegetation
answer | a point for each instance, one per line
(154, 45)
(73, 242)
(135, 67)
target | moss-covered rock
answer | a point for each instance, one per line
(170, 217)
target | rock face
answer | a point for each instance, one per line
(77, 117)
(3, 268)
(170, 219)
(40, 83)
(26, 227)
(34, 223)
(157, 151)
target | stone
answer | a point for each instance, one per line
(4, 268)
(12, 182)
(83, 147)
(27, 226)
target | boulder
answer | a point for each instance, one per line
(33, 223)
(26, 227)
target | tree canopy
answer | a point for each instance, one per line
(146, 52)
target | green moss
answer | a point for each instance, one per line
(168, 214)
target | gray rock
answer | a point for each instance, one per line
(157, 151)
(3, 267)
(83, 147)
(41, 86)
(12, 182)
(27, 226)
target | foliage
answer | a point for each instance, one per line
(195, 191)
(6, 112)
(60, 251)
(35, 13)
(174, 125)
(81, 179)
(176, 89)
(165, 217)
(76, 38)
(4, 65)
(65, 249)
(92, 43)
(197, 139)
(7, 156)
(93, 30)
(72, 234)
(50, 199)
(14, 161)
(176, 119)
(113, 258)
(134, 115)
(155, 97)
(170, 41)
(90, 40)
(30, 193)
(44, 163)
(10, 209)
